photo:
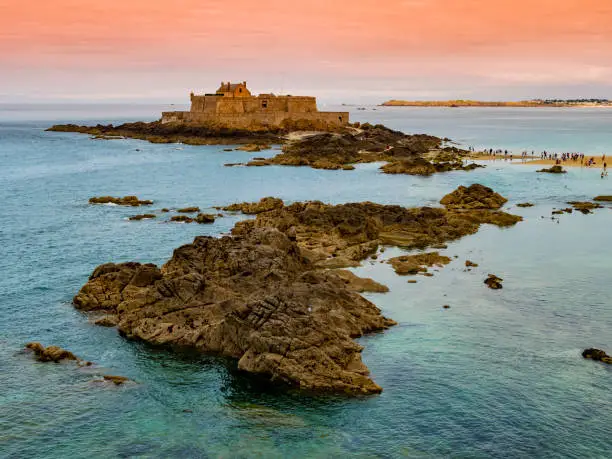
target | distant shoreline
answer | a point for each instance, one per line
(476, 103)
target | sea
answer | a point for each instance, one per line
(498, 375)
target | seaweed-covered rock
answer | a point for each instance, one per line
(494, 282)
(125, 201)
(205, 218)
(597, 355)
(475, 196)
(553, 170)
(50, 353)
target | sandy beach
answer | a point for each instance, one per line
(517, 159)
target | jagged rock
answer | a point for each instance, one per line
(494, 282)
(525, 204)
(117, 380)
(253, 208)
(181, 219)
(125, 201)
(414, 264)
(553, 170)
(51, 353)
(254, 298)
(584, 206)
(188, 210)
(205, 218)
(470, 264)
(107, 321)
(360, 284)
(603, 198)
(251, 147)
(142, 217)
(597, 355)
(475, 196)
(343, 235)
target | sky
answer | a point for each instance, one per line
(349, 51)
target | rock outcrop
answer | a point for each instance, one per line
(188, 210)
(254, 208)
(525, 204)
(205, 218)
(342, 235)
(553, 170)
(597, 355)
(475, 196)
(603, 198)
(415, 264)
(142, 217)
(404, 154)
(50, 353)
(585, 207)
(254, 298)
(494, 282)
(125, 201)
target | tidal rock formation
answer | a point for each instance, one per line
(188, 210)
(157, 132)
(253, 208)
(254, 298)
(181, 219)
(50, 353)
(494, 282)
(125, 201)
(470, 264)
(475, 196)
(603, 198)
(359, 284)
(117, 380)
(585, 207)
(553, 170)
(597, 355)
(525, 204)
(404, 154)
(205, 218)
(253, 147)
(414, 264)
(142, 217)
(338, 236)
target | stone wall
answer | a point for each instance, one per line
(249, 120)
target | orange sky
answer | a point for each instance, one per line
(350, 50)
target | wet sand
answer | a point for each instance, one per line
(536, 160)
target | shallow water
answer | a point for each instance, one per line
(497, 375)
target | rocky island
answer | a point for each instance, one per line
(263, 295)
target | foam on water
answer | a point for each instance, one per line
(497, 375)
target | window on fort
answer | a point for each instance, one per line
(239, 89)
(264, 104)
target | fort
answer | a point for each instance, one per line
(234, 106)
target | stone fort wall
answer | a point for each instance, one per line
(248, 120)
(262, 110)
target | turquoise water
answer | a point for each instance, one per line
(497, 375)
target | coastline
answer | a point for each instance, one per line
(476, 104)
(536, 161)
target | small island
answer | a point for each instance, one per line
(521, 103)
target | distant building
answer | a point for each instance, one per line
(233, 105)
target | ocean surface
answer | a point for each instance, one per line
(498, 375)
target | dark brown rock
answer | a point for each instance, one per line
(597, 355)
(525, 204)
(188, 210)
(51, 353)
(475, 196)
(117, 380)
(494, 282)
(470, 264)
(415, 264)
(254, 298)
(125, 201)
(553, 170)
(181, 219)
(253, 208)
(142, 217)
(205, 218)
(603, 198)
